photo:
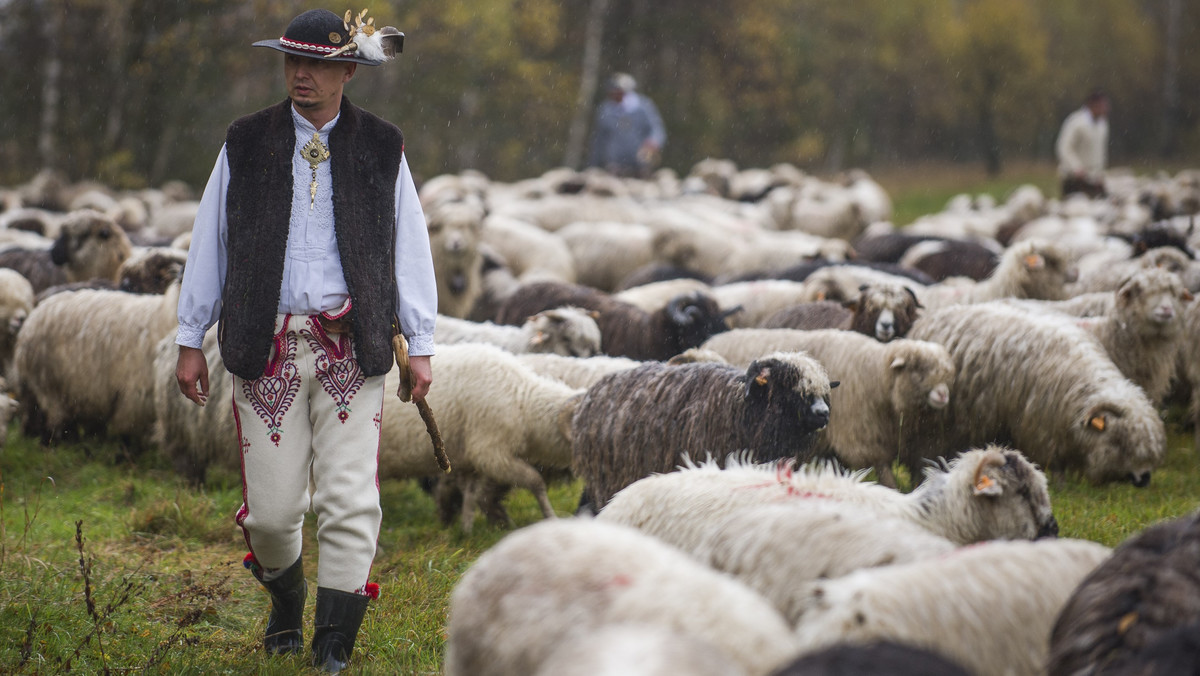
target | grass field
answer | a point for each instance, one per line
(115, 565)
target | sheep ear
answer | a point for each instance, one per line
(984, 484)
(1098, 422)
(1187, 296)
(763, 377)
(594, 314)
(898, 363)
(538, 338)
(821, 295)
(916, 301)
(834, 383)
(851, 304)
(1035, 261)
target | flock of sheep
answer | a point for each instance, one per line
(720, 358)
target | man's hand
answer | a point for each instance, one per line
(422, 372)
(190, 369)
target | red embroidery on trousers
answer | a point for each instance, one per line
(272, 395)
(336, 368)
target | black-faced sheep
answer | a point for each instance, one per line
(984, 494)
(89, 246)
(1044, 385)
(626, 330)
(524, 596)
(566, 331)
(884, 387)
(633, 423)
(988, 607)
(1149, 587)
(882, 310)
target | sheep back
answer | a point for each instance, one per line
(621, 432)
(1041, 384)
(521, 598)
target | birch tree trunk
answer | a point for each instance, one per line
(589, 77)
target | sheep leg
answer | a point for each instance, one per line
(522, 475)
(470, 493)
(883, 472)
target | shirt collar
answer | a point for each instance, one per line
(303, 125)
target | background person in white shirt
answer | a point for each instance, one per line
(310, 248)
(1082, 147)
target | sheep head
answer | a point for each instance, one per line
(790, 385)
(90, 246)
(1126, 439)
(922, 375)
(691, 319)
(1153, 301)
(990, 493)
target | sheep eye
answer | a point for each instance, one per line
(104, 234)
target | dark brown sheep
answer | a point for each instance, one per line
(882, 311)
(626, 330)
(1148, 588)
(634, 423)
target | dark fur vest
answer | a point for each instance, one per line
(365, 153)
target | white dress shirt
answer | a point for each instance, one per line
(313, 281)
(1082, 145)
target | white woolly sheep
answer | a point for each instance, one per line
(884, 387)
(567, 331)
(1110, 275)
(554, 212)
(1148, 588)
(454, 237)
(498, 419)
(640, 648)
(1143, 330)
(717, 252)
(524, 596)
(16, 302)
(1030, 269)
(758, 300)
(531, 252)
(843, 282)
(633, 423)
(576, 371)
(656, 295)
(984, 494)
(778, 549)
(80, 355)
(195, 437)
(1044, 385)
(604, 254)
(988, 607)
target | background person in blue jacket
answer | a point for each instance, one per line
(628, 133)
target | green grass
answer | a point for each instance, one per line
(925, 188)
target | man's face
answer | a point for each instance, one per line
(1099, 108)
(313, 83)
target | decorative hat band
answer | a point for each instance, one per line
(307, 46)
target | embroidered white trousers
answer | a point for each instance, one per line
(312, 418)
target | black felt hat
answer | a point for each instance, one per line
(321, 34)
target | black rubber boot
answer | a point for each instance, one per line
(286, 623)
(339, 615)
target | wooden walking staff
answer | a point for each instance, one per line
(400, 346)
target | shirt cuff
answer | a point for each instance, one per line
(420, 346)
(190, 336)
